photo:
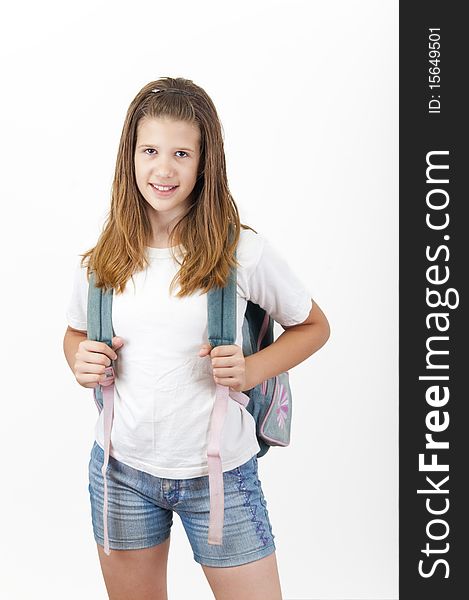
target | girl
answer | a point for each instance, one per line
(168, 231)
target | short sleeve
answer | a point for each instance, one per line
(76, 312)
(276, 287)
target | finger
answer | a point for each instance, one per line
(89, 379)
(117, 342)
(225, 350)
(96, 358)
(98, 348)
(205, 349)
(228, 361)
(87, 368)
(228, 372)
(228, 381)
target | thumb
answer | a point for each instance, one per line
(117, 342)
(205, 349)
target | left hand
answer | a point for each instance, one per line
(228, 364)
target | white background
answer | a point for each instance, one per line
(307, 94)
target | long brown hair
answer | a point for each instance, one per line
(204, 231)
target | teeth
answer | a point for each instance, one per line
(163, 188)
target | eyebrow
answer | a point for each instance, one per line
(153, 146)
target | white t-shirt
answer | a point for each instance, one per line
(164, 391)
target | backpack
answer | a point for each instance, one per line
(269, 402)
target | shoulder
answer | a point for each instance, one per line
(250, 248)
(257, 251)
(81, 271)
(77, 307)
(80, 277)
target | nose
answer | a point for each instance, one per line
(164, 169)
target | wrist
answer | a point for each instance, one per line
(251, 374)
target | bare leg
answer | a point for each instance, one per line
(136, 574)
(257, 580)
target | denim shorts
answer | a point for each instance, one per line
(141, 506)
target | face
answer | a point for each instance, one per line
(166, 154)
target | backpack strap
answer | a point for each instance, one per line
(222, 308)
(221, 305)
(99, 313)
(99, 328)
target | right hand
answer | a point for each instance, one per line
(92, 359)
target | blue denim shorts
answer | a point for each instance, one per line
(141, 506)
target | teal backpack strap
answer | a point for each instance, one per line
(99, 313)
(221, 306)
(99, 328)
(221, 331)
(99, 324)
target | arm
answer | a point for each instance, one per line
(71, 341)
(296, 343)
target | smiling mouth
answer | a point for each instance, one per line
(164, 191)
(163, 188)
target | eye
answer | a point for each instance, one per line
(153, 150)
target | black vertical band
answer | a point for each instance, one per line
(434, 240)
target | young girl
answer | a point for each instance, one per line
(168, 232)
